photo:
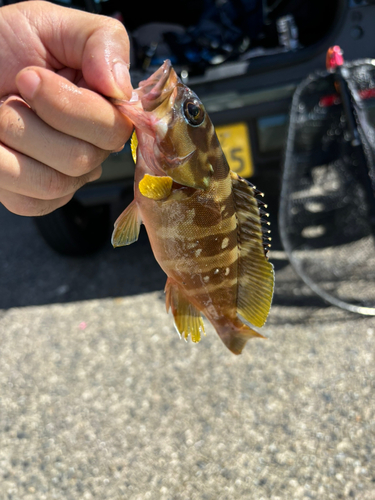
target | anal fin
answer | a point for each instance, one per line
(187, 319)
(127, 226)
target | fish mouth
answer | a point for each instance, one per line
(158, 87)
(152, 93)
(149, 95)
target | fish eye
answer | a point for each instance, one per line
(194, 112)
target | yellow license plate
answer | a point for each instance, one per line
(234, 140)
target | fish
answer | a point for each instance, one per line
(207, 226)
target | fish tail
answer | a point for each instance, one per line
(235, 334)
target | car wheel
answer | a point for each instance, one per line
(74, 229)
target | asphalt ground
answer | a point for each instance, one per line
(100, 399)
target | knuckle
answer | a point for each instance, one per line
(116, 136)
(38, 208)
(114, 26)
(49, 184)
(32, 207)
(81, 165)
(55, 185)
(85, 158)
(115, 142)
(25, 206)
(96, 174)
(78, 183)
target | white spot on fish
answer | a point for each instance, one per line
(198, 252)
(226, 271)
(192, 244)
(190, 214)
(206, 279)
(216, 271)
(161, 128)
(225, 243)
(223, 208)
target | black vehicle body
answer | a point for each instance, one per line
(256, 90)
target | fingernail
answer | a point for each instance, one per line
(122, 77)
(3, 99)
(27, 84)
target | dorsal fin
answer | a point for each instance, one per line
(255, 273)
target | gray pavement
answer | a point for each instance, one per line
(99, 399)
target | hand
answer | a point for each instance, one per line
(56, 128)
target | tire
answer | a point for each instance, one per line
(74, 229)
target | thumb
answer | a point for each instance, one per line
(97, 45)
(105, 60)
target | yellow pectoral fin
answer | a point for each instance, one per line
(155, 187)
(127, 226)
(187, 319)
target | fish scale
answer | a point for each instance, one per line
(205, 224)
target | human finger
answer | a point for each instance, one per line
(30, 207)
(23, 131)
(24, 176)
(56, 37)
(74, 111)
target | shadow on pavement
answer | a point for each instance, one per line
(33, 274)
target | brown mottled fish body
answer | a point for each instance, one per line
(203, 221)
